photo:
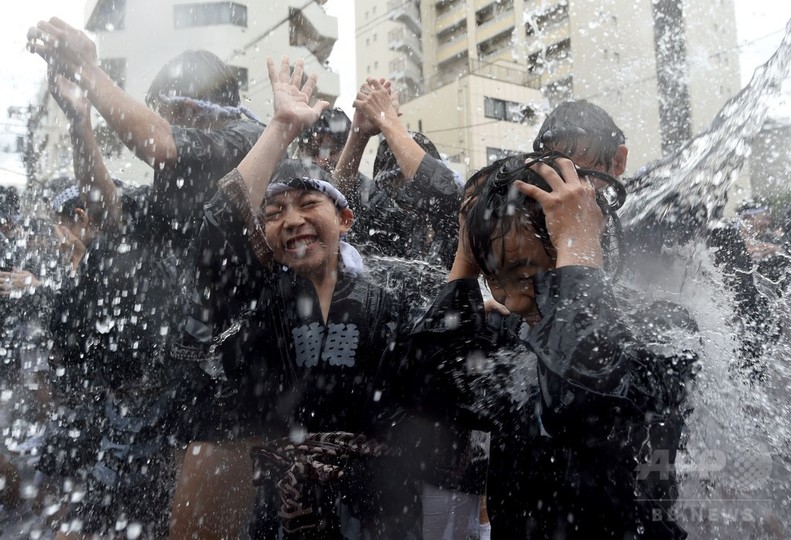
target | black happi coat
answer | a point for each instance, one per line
(294, 368)
(286, 365)
(416, 221)
(594, 405)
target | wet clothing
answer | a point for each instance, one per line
(111, 329)
(416, 221)
(574, 405)
(203, 157)
(290, 371)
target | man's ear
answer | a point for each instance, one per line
(619, 161)
(346, 218)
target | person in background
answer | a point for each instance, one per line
(409, 208)
(190, 130)
(322, 143)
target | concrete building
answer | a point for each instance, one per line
(134, 40)
(662, 68)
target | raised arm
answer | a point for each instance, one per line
(70, 52)
(363, 129)
(95, 183)
(293, 113)
(375, 102)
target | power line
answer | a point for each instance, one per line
(269, 30)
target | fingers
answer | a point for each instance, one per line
(285, 70)
(296, 75)
(319, 106)
(534, 192)
(375, 85)
(494, 305)
(550, 175)
(310, 85)
(61, 24)
(270, 67)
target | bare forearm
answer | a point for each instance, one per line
(407, 152)
(260, 163)
(349, 163)
(92, 176)
(142, 130)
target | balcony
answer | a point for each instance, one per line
(451, 18)
(313, 29)
(402, 70)
(452, 49)
(405, 42)
(407, 13)
(499, 71)
(502, 22)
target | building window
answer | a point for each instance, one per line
(209, 14)
(501, 109)
(107, 16)
(493, 154)
(241, 77)
(115, 69)
(560, 91)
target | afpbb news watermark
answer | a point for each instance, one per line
(718, 485)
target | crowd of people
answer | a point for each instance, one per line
(209, 356)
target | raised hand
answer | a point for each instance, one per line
(70, 245)
(291, 97)
(67, 50)
(361, 122)
(574, 220)
(376, 101)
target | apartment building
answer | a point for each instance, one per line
(134, 39)
(662, 68)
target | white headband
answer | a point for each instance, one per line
(68, 194)
(209, 107)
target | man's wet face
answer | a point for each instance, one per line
(521, 255)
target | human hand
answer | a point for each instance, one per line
(493, 305)
(574, 220)
(361, 123)
(68, 51)
(18, 281)
(69, 97)
(70, 245)
(377, 102)
(291, 97)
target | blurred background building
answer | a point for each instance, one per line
(134, 40)
(477, 76)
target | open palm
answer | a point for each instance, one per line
(291, 97)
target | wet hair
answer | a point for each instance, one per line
(571, 122)
(332, 121)
(494, 206)
(195, 74)
(385, 163)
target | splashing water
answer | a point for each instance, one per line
(696, 179)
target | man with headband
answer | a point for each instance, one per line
(192, 134)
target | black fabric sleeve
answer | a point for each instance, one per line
(203, 157)
(595, 375)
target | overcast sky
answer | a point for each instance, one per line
(760, 23)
